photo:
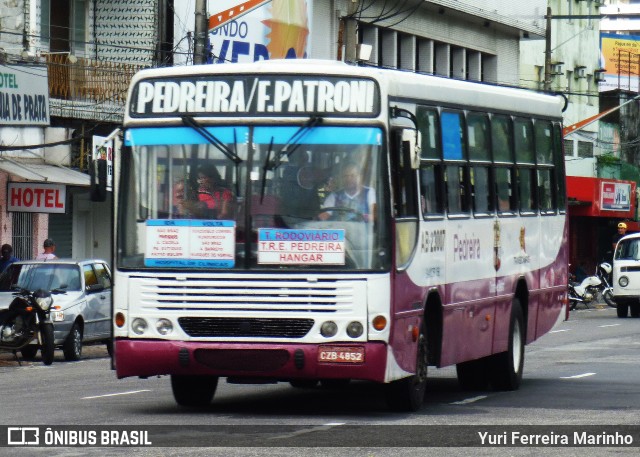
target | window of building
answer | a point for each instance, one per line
(585, 149)
(22, 238)
(63, 25)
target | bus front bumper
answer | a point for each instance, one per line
(257, 361)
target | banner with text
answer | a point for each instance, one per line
(32, 197)
(24, 95)
(248, 31)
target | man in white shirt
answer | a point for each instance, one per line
(357, 200)
(49, 248)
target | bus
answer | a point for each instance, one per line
(314, 222)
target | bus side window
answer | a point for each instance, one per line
(430, 189)
(480, 190)
(545, 197)
(456, 189)
(526, 189)
(480, 158)
(504, 189)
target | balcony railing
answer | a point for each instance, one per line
(78, 79)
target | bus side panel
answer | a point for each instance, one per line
(407, 309)
(554, 280)
(468, 324)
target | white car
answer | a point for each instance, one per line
(81, 291)
(626, 275)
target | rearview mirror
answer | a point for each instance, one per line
(94, 288)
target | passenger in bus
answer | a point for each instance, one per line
(217, 199)
(359, 201)
(182, 206)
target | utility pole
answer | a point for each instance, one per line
(547, 53)
(200, 32)
(348, 33)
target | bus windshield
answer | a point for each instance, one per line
(253, 197)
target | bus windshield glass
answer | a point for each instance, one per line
(253, 197)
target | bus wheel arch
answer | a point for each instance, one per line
(522, 295)
(433, 326)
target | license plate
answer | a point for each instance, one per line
(341, 354)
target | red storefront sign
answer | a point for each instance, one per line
(36, 197)
(599, 197)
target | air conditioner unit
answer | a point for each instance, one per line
(599, 75)
(580, 72)
(556, 68)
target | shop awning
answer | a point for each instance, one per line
(40, 172)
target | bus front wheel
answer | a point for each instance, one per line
(193, 390)
(506, 367)
(407, 394)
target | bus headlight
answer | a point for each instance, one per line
(164, 326)
(355, 329)
(328, 329)
(139, 326)
(623, 281)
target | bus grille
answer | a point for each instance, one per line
(245, 327)
(270, 295)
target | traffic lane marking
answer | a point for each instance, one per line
(466, 401)
(577, 376)
(608, 325)
(116, 394)
(561, 330)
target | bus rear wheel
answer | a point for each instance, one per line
(407, 394)
(506, 367)
(193, 390)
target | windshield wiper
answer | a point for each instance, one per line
(211, 138)
(293, 141)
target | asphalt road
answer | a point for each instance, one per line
(584, 373)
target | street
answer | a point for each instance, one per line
(582, 373)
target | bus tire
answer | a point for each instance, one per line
(506, 367)
(407, 394)
(473, 375)
(194, 391)
(303, 383)
(634, 310)
(622, 310)
(48, 343)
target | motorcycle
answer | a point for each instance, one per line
(26, 318)
(606, 289)
(591, 287)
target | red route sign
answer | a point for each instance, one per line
(237, 11)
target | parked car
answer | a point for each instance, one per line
(81, 291)
(626, 276)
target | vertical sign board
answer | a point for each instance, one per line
(35, 197)
(615, 196)
(24, 95)
(103, 150)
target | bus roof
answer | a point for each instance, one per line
(394, 84)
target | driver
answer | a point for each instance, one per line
(359, 201)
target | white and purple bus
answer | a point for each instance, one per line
(308, 221)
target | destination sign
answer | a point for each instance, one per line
(269, 95)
